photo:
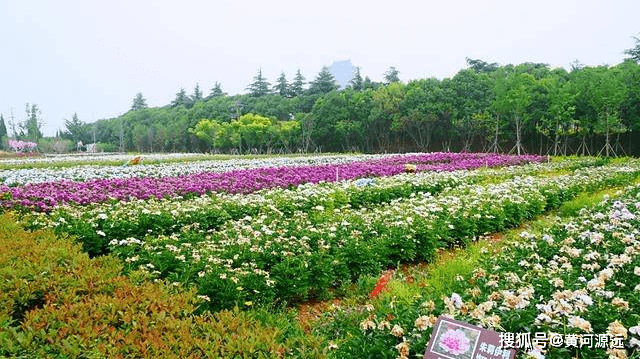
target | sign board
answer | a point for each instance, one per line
(453, 339)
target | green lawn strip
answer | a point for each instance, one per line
(425, 291)
(59, 303)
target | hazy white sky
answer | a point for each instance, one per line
(92, 57)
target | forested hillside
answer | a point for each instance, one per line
(526, 108)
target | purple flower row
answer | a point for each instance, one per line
(44, 196)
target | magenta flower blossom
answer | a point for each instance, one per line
(454, 342)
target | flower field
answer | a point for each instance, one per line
(273, 233)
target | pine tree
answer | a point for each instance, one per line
(77, 130)
(323, 83)
(181, 99)
(139, 102)
(634, 52)
(197, 94)
(282, 87)
(260, 86)
(296, 87)
(32, 124)
(216, 91)
(3, 127)
(357, 82)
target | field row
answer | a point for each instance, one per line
(271, 257)
(172, 166)
(97, 224)
(575, 278)
(46, 195)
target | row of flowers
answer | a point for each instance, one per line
(273, 257)
(575, 279)
(44, 196)
(93, 158)
(154, 165)
(120, 220)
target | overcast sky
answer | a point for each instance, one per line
(93, 57)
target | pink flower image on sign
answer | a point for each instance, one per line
(454, 339)
(454, 342)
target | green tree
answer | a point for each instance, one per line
(297, 86)
(32, 125)
(473, 93)
(323, 83)
(425, 105)
(77, 130)
(482, 66)
(367, 84)
(634, 52)
(197, 94)
(259, 86)
(386, 102)
(282, 86)
(513, 97)
(3, 127)
(356, 81)
(391, 75)
(216, 91)
(139, 102)
(557, 124)
(608, 93)
(630, 106)
(181, 99)
(210, 131)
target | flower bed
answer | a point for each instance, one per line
(575, 279)
(188, 164)
(291, 258)
(97, 224)
(46, 195)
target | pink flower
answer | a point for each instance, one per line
(454, 342)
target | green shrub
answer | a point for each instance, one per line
(59, 303)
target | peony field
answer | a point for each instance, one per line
(319, 256)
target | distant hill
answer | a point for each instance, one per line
(342, 71)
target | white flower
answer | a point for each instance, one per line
(535, 354)
(397, 331)
(457, 300)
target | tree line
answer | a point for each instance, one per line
(525, 108)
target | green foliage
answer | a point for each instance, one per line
(77, 130)
(197, 94)
(216, 91)
(634, 52)
(56, 145)
(259, 86)
(3, 127)
(282, 87)
(31, 127)
(356, 82)
(139, 103)
(482, 108)
(323, 83)
(59, 303)
(297, 86)
(181, 99)
(391, 75)
(249, 132)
